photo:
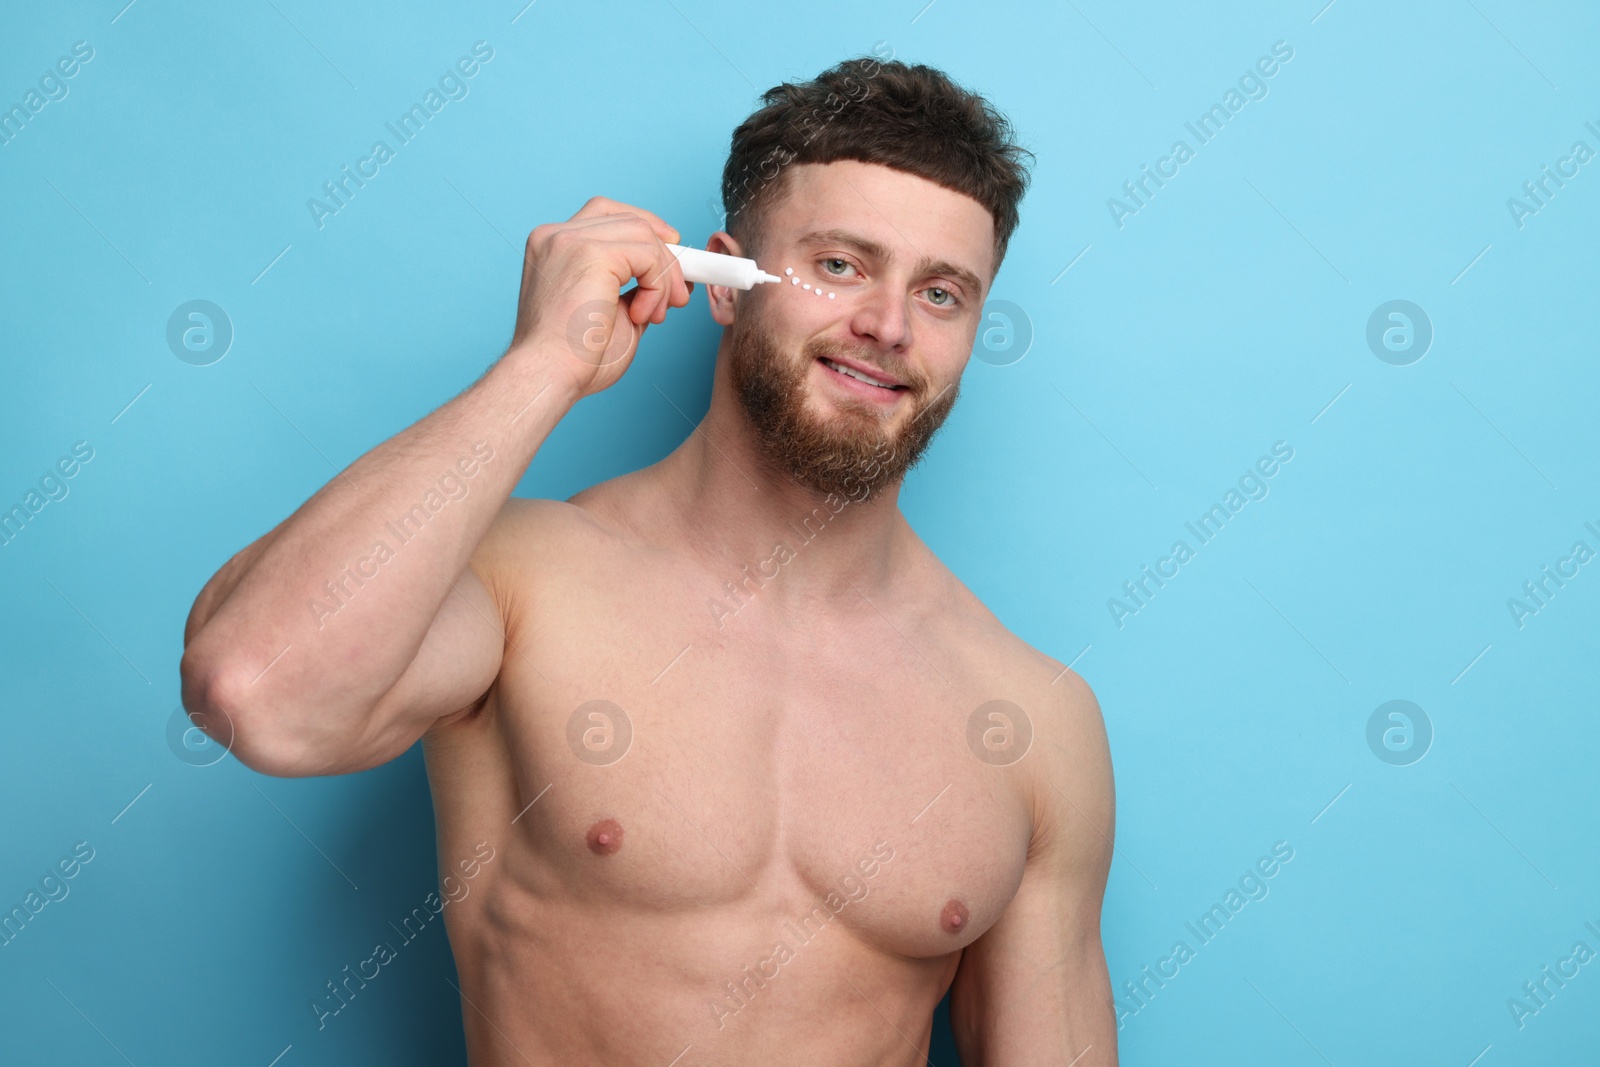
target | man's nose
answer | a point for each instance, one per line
(882, 315)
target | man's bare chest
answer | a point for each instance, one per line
(668, 760)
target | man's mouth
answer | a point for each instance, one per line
(860, 375)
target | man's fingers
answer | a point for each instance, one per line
(632, 303)
(638, 302)
(663, 279)
(602, 205)
(667, 275)
(649, 260)
(643, 305)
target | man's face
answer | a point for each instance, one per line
(908, 264)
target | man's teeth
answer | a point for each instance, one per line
(857, 375)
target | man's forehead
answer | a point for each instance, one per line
(904, 215)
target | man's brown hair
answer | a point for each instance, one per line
(909, 117)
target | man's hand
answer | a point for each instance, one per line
(572, 271)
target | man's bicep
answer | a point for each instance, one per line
(454, 666)
(465, 646)
(1033, 990)
(1079, 798)
(458, 658)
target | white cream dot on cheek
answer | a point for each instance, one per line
(794, 280)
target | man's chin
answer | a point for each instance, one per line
(823, 438)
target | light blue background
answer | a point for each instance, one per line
(1228, 314)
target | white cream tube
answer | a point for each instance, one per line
(714, 268)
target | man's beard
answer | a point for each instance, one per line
(852, 455)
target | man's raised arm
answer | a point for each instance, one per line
(333, 642)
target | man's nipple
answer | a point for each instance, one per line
(605, 837)
(954, 917)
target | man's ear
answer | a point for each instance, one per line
(723, 298)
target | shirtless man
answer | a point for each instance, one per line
(762, 780)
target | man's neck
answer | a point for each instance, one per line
(734, 507)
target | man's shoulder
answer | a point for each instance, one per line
(1064, 775)
(531, 531)
(947, 598)
(1060, 701)
(521, 519)
(534, 541)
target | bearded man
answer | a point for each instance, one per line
(762, 780)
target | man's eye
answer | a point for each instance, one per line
(827, 265)
(947, 298)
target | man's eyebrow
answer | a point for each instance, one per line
(876, 250)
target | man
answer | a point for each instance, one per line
(761, 779)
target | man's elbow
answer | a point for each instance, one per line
(224, 704)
